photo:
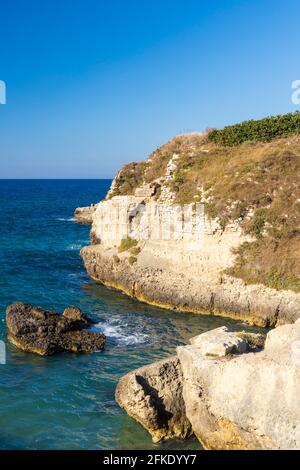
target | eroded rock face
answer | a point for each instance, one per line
(166, 277)
(35, 330)
(235, 400)
(152, 395)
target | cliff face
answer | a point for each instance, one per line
(204, 229)
(228, 399)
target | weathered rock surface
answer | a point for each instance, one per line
(152, 395)
(169, 276)
(38, 331)
(219, 342)
(84, 215)
(242, 401)
(190, 234)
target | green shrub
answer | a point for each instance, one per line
(126, 244)
(135, 250)
(211, 210)
(257, 224)
(264, 130)
(132, 260)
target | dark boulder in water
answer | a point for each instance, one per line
(45, 333)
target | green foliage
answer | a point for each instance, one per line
(126, 244)
(258, 222)
(278, 279)
(135, 250)
(132, 260)
(178, 178)
(211, 210)
(263, 130)
(129, 178)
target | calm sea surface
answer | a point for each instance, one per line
(67, 401)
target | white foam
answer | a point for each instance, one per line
(67, 219)
(77, 246)
(117, 332)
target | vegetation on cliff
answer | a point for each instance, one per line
(254, 184)
(262, 130)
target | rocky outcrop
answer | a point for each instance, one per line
(84, 215)
(168, 275)
(35, 330)
(237, 400)
(188, 254)
(152, 395)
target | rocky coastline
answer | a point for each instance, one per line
(168, 235)
(231, 390)
(180, 255)
(221, 295)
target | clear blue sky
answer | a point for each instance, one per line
(92, 84)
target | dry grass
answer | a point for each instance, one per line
(258, 177)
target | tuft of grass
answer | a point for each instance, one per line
(126, 244)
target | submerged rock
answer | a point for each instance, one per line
(152, 395)
(245, 398)
(45, 333)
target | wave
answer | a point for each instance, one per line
(77, 246)
(117, 332)
(66, 219)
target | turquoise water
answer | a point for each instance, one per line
(67, 401)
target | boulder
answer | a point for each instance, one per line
(219, 342)
(45, 333)
(230, 394)
(249, 401)
(152, 395)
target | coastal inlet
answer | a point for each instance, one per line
(66, 401)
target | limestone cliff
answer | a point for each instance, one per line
(229, 390)
(206, 229)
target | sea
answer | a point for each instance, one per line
(66, 401)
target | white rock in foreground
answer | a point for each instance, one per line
(250, 401)
(219, 342)
(232, 399)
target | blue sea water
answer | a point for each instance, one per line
(67, 401)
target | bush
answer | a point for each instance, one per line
(126, 244)
(263, 130)
(132, 260)
(135, 250)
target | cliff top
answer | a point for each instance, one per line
(254, 184)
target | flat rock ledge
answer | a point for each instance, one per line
(232, 390)
(38, 331)
(84, 215)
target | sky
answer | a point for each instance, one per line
(94, 84)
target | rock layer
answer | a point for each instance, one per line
(239, 401)
(35, 330)
(161, 276)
